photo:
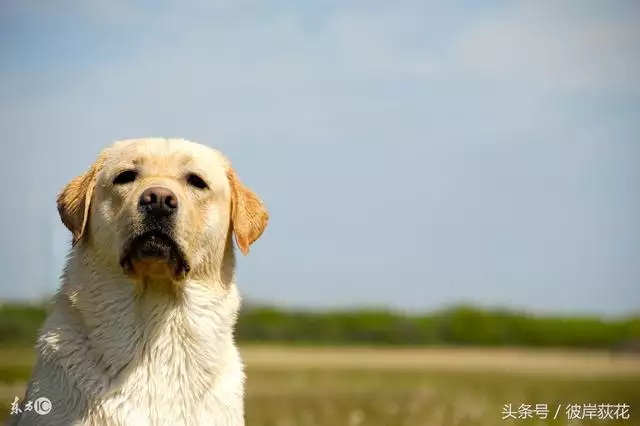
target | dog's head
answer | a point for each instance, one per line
(161, 208)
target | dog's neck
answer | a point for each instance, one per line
(125, 324)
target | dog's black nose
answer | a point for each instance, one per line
(158, 201)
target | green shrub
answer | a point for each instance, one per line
(463, 325)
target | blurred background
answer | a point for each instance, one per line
(453, 189)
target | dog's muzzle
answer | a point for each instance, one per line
(155, 244)
(156, 247)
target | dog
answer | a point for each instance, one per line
(140, 332)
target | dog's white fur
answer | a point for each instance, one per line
(134, 350)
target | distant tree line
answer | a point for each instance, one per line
(459, 326)
(462, 325)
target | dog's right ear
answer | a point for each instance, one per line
(75, 199)
(249, 216)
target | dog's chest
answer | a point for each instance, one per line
(162, 394)
(181, 373)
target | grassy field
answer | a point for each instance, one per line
(415, 387)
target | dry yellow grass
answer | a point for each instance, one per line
(518, 361)
(414, 387)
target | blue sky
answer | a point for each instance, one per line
(413, 154)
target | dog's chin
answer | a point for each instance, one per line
(154, 255)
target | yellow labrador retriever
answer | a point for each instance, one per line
(141, 330)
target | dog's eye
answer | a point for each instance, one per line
(127, 176)
(195, 180)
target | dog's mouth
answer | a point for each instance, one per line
(154, 253)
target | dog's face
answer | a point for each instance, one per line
(161, 208)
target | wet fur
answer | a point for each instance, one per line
(125, 350)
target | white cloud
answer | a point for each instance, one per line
(383, 42)
(271, 71)
(563, 44)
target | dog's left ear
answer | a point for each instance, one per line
(249, 216)
(74, 202)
